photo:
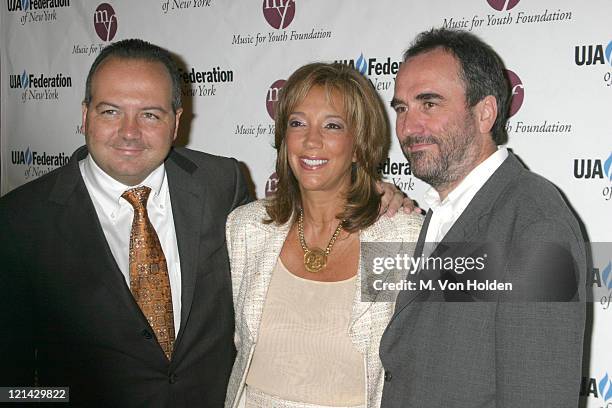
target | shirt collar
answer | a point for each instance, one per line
(110, 190)
(463, 193)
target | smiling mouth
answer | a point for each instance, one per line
(419, 146)
(312, 163)
(129, 151)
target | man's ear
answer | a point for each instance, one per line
(485, 113)
(177, 120)
(83, 117)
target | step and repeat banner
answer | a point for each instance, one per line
(236, 55)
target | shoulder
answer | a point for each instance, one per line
(401, 227)
(28, 195)
(534, 199)
(252, 213)
(211, 165)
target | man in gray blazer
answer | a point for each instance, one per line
(506, 350)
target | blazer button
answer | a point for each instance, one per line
(172, 378)
(146, 334)
(388, 376)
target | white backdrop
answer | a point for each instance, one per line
(559, 52)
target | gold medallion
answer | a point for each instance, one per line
(314, 260)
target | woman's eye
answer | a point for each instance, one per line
(333, 126)
(295, 123)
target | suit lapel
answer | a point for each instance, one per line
(272, 240)
(188, 205)
(362, 312)
(407, 296)
(78, 225)
(466, 227)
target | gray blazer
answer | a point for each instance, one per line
(493, 354)
(254, 248)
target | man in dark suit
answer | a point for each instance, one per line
(80, 302)
(495, 349)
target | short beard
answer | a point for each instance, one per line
(457, 155)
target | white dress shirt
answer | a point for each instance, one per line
(116, 214)
(447, 211)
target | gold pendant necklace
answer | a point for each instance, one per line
(315, 259)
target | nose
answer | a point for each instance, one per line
(130, 128)
(313, 138)
(409, 123)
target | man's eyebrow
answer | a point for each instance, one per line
(426, 96)
(394, 102)
(106, 104)
(157, 108)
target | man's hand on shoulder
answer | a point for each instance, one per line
(393, 199)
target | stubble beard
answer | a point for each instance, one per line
(454, 159)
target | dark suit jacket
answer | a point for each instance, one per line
(67, 314)
(495, 354)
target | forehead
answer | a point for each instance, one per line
(433, 71)
(319, 97)
(131, 76)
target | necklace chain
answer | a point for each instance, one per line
(331, 243)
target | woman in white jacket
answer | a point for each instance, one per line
(304, 337)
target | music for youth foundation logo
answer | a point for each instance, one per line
(593, 57)
(597, 172)
(272, 97)
(271, 185)
(280, 14)
(546, 126)
(39, 87)
(105, 25)
(263, 129)
(503, 16)
(105, 22)
(37, 163)
(36, 11)
(501, 5)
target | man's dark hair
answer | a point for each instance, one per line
(136, 49)
(481, 70)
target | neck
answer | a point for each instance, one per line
(463, 169)
(320, 210)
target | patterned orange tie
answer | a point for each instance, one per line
(149, 280)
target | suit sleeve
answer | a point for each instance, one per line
(539, 343)
(241, 192)
(16, 311)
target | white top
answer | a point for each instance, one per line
(447, 211)
(304, 352)
(116, 214)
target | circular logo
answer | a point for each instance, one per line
(105, 22)
(271, 184)
(279, 13)
(501, 5)
(272, 97)
(518, 92)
